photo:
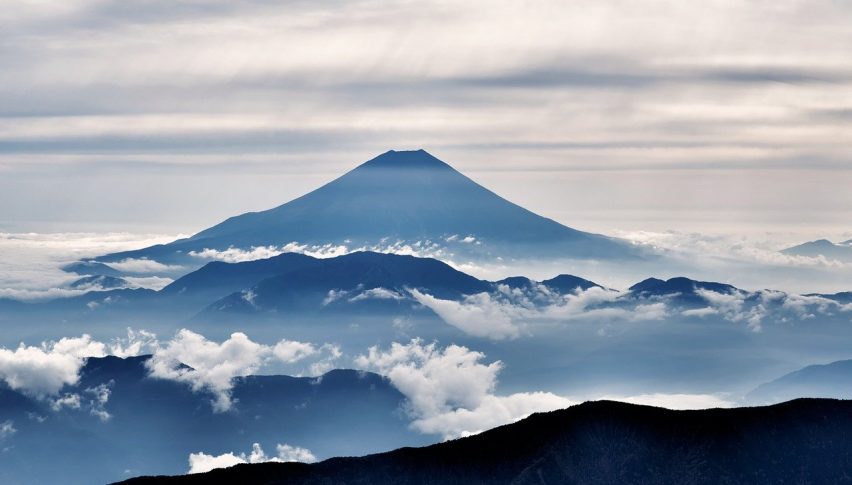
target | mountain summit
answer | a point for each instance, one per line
(406, 196)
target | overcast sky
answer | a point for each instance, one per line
(718, 115)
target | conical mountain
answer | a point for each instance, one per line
(398, 196)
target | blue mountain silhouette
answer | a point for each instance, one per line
(399, 195)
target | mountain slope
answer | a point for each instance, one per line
(841, 251)
(601, 442)
(832, 380)
(152, 425)
(399, 195)
(363, 277)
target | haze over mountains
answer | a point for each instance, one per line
(407, 196)
(823, 248)
(119, 420)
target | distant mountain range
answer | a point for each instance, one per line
(153, 424)
(802, 441)
(398, 196)
(841, 251)
(829, 380)
(368, 283)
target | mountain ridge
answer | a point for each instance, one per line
(598, 442)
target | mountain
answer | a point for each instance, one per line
(681, 289)
(566, 283)
(98, 282)
(152, 425)
(802, 441)
(841, 251)
(91, 268)
(832, 380)
(362, 279)
(398, 196)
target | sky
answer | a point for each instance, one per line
(720, 116)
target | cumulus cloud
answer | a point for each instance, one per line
(450, 391)
(42, 371)
(211, 367)
(202, 462)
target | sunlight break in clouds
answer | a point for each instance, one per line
(202, 462)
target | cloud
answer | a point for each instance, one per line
(43, 371)
(376, 294)
(208, 366)
(98, 400)
(477, 315)
(506, 312)
(238, 255)
(144, 266)
(288, 453)
(291, 351)
(450, 391)
(136, 343)
(7, 429)
(202, 462)
(212, 366)
(69, 400)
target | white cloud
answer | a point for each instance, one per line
(508, 311)
(43, 371)
(291, 351)
(136, 343)
(202, 462)
(449, 390)
(30, 262)
(7, 429)
(69, 400)
(212, 366)
(98, 400)
(478, 315)
(733, 307)
(377, 294)
(239, 255)
(700, 312)
(144, 266)
(289, 453)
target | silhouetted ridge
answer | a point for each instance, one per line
(601, 442)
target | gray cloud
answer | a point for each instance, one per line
(538, 89)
